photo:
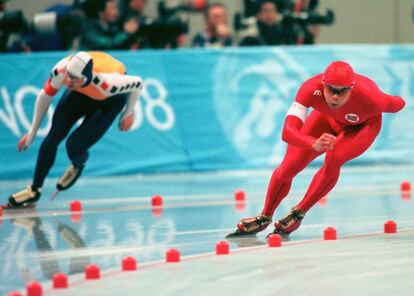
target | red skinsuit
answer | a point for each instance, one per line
(355, 125)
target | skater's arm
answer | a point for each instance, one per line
(41, 107)
(127, 118)
(292, 133)
(391, 104)
(131, 101)
(50, 88)
(55, 81)
(383, 102)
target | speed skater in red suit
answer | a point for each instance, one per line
(345, 120)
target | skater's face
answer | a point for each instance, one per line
(73, 82)
(336, 95)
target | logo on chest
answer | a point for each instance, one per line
(351, 117)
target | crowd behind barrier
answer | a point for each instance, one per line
(124, 24)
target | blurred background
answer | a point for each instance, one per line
(84, 24)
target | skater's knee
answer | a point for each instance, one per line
(70, 145)
(333, 162)
(335, 159)
(74, 145)
(76, 152)
(49, 143)
(72, 148)
(288, 172)
(53, 139)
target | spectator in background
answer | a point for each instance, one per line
(217, 31)
(102, 29)
(63, 35)
(308, 32)
(134, 10)
(4, 35)
(55, 28)
(269, 31)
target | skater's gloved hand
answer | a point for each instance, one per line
(324, 143)
(25, 141)
(126, 121)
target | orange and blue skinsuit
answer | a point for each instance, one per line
(108, 91)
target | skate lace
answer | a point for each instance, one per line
(255, 222)
(293, 216)
(68, 175)
(24, 195)
(288, 221)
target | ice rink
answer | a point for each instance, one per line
(117, 220)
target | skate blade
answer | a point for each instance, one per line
(23, 207)
(54, 195)
(240, 234)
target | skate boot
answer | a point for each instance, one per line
(69, 177)
(291, 222)
(25, 198)
(251, 226)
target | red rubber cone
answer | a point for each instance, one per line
(34, 289)
(329, 233)
(239, 196)
(406, 186)
(173, 255)
(274, 240)
(76, 206)
(156, 201)
(129, 264)
(92, 272)
(60, 280)
(222, 248)
(390, 227)
(240, 200)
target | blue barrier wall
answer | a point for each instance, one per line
(205, 109)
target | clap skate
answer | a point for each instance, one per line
(26, 198)
(290, 223)
(251, 226)
(68, 178)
